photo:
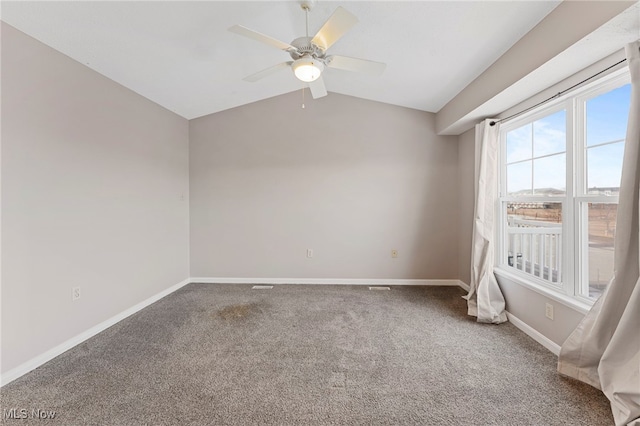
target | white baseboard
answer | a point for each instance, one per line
(464, 285)
(333, 281)
(534, 334)
(37, 361)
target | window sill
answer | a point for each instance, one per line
(571, 302)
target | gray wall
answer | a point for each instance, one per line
(466, 197)
(349, 178)
(529, 306)
(94, 194)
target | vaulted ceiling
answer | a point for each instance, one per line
(182, 56)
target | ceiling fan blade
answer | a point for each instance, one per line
(336, 26)
(317, 88)
(246, 32)
(354, 64)
(266, 72)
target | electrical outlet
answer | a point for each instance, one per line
(394, 253)
(75, 293)
(309, 252)
(548, 311)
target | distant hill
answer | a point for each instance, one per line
(554, 192)
(540, 191)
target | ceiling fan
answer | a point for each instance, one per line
(309, 54)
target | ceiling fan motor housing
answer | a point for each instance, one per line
(304, 48)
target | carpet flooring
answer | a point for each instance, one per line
(229, 355)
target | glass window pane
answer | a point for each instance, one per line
(549, 176)
(607, 116)
(604, 169)
(519, 144)
(534, 236)
(519, 178)
(550, 135)
(602, 230)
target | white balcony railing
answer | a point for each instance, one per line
(535, 247)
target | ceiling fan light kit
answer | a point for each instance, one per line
(309, 53)
(307, 69)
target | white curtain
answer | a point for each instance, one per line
(604, 350)
(485, 300)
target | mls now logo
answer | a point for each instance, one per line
(23, 413)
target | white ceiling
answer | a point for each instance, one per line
(180, 54)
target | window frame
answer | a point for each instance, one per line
(574, 269)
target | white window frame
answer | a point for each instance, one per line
(574, 248)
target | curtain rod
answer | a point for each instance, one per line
(557, 95)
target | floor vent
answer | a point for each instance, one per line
(379, 288)
(262, 287)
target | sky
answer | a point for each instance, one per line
(606, 121)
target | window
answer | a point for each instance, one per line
(560, 179)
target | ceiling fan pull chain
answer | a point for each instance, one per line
(302, 97)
